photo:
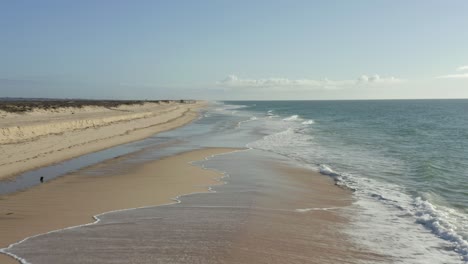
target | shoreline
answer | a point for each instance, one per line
(296, 203)
(308, 218)
(77, 199)
(303, 208)
(34, 144)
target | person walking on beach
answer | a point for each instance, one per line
(42, 179)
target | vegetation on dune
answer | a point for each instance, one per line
(22, 106)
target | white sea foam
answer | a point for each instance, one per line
(393, 233)
(226, 108)
(326, 170)
(382, 203)
(432, 234)
(292, 118)
(441, 221)
(297, 118)
(281, 142)
(305, 210)
(250, 119)
(308, 122)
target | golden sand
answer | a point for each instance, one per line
(40, 138)
(73, 199)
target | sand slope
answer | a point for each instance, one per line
(40, 138)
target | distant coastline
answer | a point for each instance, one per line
(36, 133)
(20, 105)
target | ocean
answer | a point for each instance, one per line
(404, 162)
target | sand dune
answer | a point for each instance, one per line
(43, 137)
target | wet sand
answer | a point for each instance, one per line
(73, 199)
(268, 212)
(310, 233)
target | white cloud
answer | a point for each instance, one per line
(454, 76)
(377, 79)
(463, 75)
(234, 81)
(284, 83)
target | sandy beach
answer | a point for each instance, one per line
(289, 215)
(73, 199)
(272, 209)
(42, 137)
(311, 235)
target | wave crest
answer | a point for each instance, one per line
(292, 118)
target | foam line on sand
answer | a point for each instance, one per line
(70, 201)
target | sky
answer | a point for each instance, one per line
(234, 50)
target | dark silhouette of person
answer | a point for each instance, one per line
(42, 179)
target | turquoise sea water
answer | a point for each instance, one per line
(404, 157)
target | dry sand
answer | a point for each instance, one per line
(40, 138)
(73, 199)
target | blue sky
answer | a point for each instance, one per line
(234, 49)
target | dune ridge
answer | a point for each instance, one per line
(15, 134)
(43, 137)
